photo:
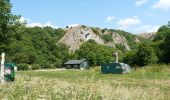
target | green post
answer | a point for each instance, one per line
(9, 72)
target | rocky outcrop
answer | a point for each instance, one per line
(118, 39)
(78, 35)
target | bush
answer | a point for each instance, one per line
(131, 58)
(95, 30)
(107, 37)
(46, 65)
(35, 66)
(58, 63)
(146, 55)
(120, 47)
(23, 66)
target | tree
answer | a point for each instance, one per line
(165, 49)
(96, 54)
(8, 25)
(146, 55)
(162, 41)
(131, 58)
(161, 34)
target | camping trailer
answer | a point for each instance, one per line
(115, 68)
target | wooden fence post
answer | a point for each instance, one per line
(2, 67)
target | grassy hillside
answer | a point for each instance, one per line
(151, 83)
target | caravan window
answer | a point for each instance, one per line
(117, 67)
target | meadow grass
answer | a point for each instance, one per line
(149, 83)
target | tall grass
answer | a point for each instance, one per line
(87, 85)
(27, 88)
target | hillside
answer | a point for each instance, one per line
(76, 36)
(147, 35)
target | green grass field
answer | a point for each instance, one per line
(149, 83)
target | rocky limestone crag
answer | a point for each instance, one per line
(76, 36)
(117, 39)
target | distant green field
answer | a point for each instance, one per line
(150, 83)
(156, 72)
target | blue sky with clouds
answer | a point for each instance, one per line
(135, 16)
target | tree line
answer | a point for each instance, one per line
(156, 51)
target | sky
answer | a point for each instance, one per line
(135, 16)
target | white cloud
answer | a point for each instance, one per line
(162, 4)
(110, 18)
(125, 23)
(147, 29)
(23, 19)
(140, 2)
(154, 28)
(73, 25)
(42, 25)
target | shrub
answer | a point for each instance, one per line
(130, 58)
(95, 30)
(46, 65)
(146, 55)
(23, 66)
(107, 37)
(35, 66)
(58, 63)
(120, 47)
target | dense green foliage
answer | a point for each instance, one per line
(29, 46)
(162, 40)
(145, 55)
(151, 53)
(162, 33)
(22, 66)
(96, 54)
(9, 25)
(38, 46)
(107, 37)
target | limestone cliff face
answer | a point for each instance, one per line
(76, 36)
(118, 39)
